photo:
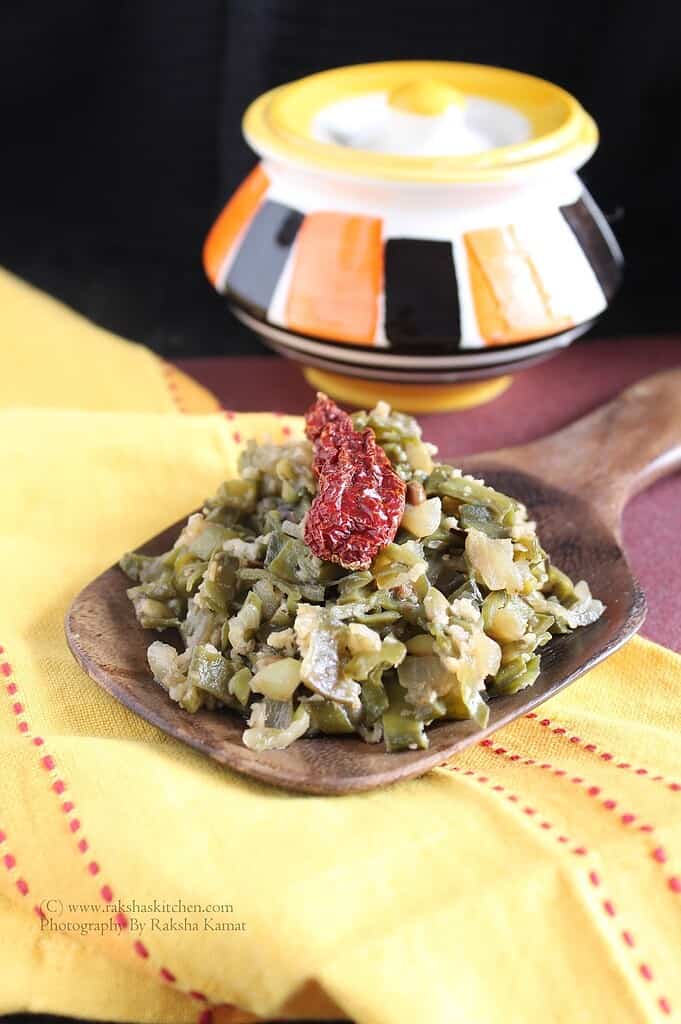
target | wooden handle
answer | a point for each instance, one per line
(616, 451)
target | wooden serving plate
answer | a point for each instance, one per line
(575, 484)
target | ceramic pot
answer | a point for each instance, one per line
(420, 218)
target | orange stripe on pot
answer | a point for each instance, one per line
(511, 300)
(337, 278)
(229, 226)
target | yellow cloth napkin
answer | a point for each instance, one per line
(538, 878)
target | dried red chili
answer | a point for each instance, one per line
(360, 497)
(321, 414)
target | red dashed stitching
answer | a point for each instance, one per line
(593, 877)
(10, 863)
(169, 373)
(658, 854)
(58, 786)
(238, 437)
(605, 755)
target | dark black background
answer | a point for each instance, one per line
(121, 133)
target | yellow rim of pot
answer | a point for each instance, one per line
(279, 123)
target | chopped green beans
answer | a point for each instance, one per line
(453, 613)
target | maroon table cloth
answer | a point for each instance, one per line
(539, 401)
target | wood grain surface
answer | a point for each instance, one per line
(574, 483)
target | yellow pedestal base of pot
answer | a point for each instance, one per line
(418, 398)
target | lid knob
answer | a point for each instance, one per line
(425, 96)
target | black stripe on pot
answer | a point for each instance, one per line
(601, 251)
(258, 264)
(425, 378)
(421, 297)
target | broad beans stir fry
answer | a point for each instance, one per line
(454, 608)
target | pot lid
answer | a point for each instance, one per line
(423, 121)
